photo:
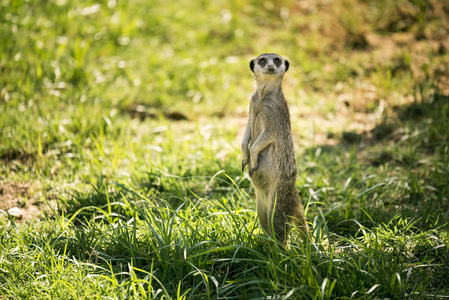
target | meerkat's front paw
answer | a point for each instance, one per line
(245, 160)
(253, 169)
(254, 164)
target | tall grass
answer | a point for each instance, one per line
(213, 248)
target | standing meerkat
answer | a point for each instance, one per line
(267, 149)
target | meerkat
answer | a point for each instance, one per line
(267, 149)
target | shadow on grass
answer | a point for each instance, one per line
(401, 167)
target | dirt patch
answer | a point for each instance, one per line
(20, 201)
(16, 155)
(143, 112)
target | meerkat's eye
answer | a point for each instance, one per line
(262, 61)
(276, 60)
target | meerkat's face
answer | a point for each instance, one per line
(269, 64)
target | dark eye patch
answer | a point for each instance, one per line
(277, 61)
(262, 61)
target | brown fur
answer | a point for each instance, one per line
(267, 148)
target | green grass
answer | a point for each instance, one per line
(124, 117)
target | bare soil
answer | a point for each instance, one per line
(22, 196)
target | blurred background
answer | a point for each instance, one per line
(189, 59)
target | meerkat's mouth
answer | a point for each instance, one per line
(274, 73)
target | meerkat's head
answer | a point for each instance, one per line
(269, 65)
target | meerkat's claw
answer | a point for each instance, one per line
(243, 165)
(252, 170)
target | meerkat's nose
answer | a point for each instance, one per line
(271, 68)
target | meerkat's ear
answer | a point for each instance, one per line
(287, 64)
(251, 65)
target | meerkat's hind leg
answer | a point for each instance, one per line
(278, 220)
(280, 227)
(262, 210)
